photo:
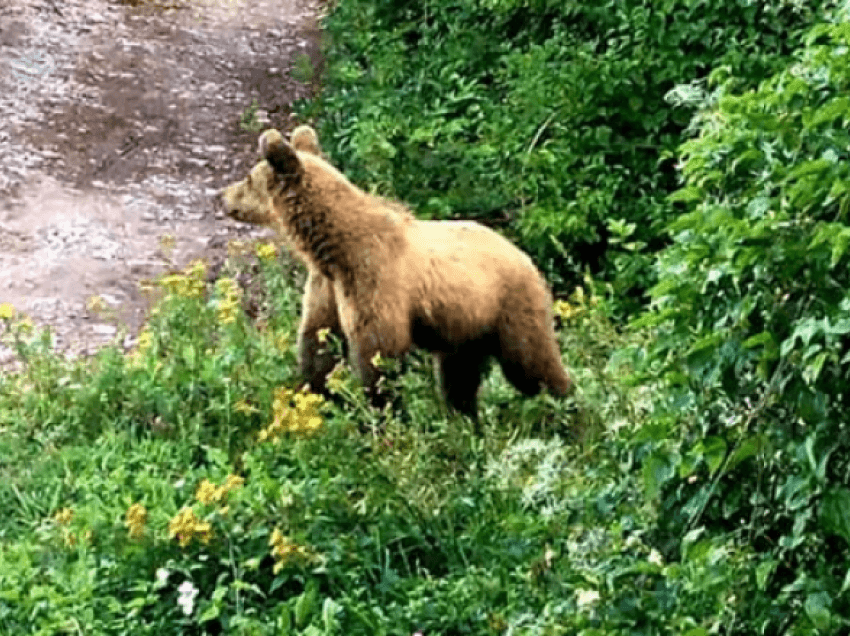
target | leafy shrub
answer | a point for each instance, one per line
(545, 115)
(753, 316)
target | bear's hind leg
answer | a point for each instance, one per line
(530, 358)
(460, 377)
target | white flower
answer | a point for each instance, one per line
(162, 576)
(586, 598)
(655, 557)
(186, 600)
(179, 484)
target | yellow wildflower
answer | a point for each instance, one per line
(377, 359)
(227, 312)
(266, 251)
(285, 551)
(197, 270)
(145, 340)
(322, 335)
(63, 516)
(185, 526)
(207, 492)
(137, 516)
(226, 286)
(565, 310)
(232, 482)
(26, 326)
(242, 406)
(7, 311)
(294, 413)
(228, 304)
(190, 284)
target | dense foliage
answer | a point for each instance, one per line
(753, 316)
(548, 115)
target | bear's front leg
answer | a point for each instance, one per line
(318, 312)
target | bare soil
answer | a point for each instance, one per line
(119, 123)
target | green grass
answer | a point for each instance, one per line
(364, 525)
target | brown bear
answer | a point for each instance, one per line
(389, 282)
(249, 201)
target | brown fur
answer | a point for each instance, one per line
(389, 282)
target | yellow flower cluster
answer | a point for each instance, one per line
(295, 413)
(565, 310)
(285, 552)
(244, 407)
(143, 343)
(190, 284)
(7, 311)
(63, 517)
(228, 304)
(185, 526)
(266, 251)
(282, 341)
(137, 516)
(208, 492)
(71, 538)
(25, 326)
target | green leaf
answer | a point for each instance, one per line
(656, 471)
(818, 610)
(764, 570)
(835, 108)
(759, 340)
(812, 370)
(812, 167)
(715, 452)
(748, 448)
(835, 512)
(707, 342)
(687, 194)
(212, 612)
(304, 604)
(330, 610)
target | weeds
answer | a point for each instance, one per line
(191, 487)
(249, 121)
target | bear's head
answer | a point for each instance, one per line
(249, 200)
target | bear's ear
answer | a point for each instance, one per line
(278, 153)
(305, 139)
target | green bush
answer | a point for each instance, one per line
(545, 115)
(753, 316)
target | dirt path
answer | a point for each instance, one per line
(119, 122)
